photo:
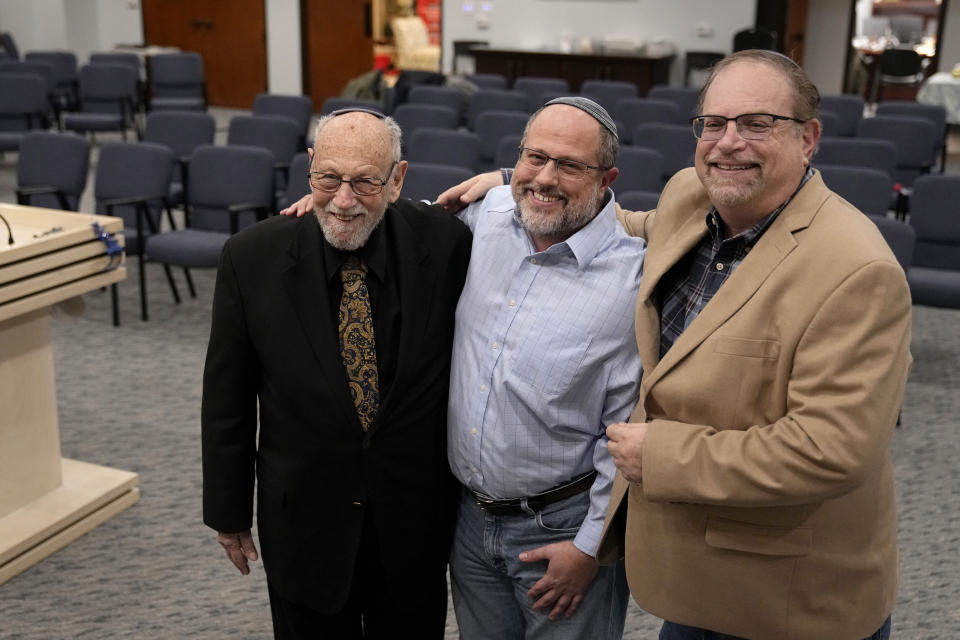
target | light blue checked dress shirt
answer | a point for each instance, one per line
(544, 357)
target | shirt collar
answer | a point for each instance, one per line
(586, 242)
(750, 237)
(373, 254)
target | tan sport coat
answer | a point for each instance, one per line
(767, 508)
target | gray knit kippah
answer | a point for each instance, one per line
(586, 104)
(340, 112)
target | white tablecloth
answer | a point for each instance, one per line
(943, 89)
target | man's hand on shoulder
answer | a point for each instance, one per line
(299, 208)
(459, 196)
(239, 548)
(568, 576)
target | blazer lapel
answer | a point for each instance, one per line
(777, 242)
(304, 280)
(416, 283)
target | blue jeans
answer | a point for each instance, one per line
(490, 583)
(674, 631)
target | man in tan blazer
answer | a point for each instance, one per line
(754, 497)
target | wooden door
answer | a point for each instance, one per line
(338, 38)
(231, 37)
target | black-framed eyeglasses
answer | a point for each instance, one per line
(750, 126)
(569, 169)
(365, 186)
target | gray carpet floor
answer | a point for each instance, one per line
(129, 398)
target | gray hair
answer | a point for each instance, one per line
(393, 130)
(609, 148)
(806, 97)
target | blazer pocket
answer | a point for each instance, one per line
(761, 539)
(747, 347)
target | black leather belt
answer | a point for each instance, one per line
(512, 506)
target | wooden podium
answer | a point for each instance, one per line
(47, 501)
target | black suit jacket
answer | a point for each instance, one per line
(273, 342)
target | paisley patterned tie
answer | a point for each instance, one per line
(357, 345)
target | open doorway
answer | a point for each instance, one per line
(907, 32)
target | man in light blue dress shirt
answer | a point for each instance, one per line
(544, 359)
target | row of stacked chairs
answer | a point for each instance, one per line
(220, 187)
(111, 92)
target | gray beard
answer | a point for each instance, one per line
(358, 236)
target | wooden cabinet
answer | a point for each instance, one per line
(643, 71)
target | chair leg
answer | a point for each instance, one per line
(115, 303)
(186, 274)
(173, 284)
(143, 286)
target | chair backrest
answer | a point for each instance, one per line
(23, 102)
(222, 176)
(933, 216)
(488, 80)
(900, 62)
(444, 146)
(900, 237)
(332, 104)
(829, 123)
(495, 124)
(641, 169)
(58, 160)
(435, 95)
(64, 64)
(907, 27)
(297, 108)
(177, 74)
(425, 181)
(676, 142)
(869, 190)
(181, 131)
(298, 184)
(857, 152)
(608, 92)
(278, 134)
(535, 86)
(914, 138)
(502, 99)
(848, 107)
(105, 87)
(638, 200)
(41, 68)
(754, 38)
(632, 112)
(177, 82)
(411, 117)
(132, 170)
(935, 113)
(685, 98)
(131, 60)
(508, 151)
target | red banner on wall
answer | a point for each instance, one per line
(430, 12)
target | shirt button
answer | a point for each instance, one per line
(719, 266)
(513, 303)
(493, 344)
(483, 387)
(533, 261)
(473, 431)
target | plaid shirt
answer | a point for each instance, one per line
(693, 281)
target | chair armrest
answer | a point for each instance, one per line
(236, 209)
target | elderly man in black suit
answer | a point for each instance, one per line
(339, 334)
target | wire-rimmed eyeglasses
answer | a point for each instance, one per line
(569, 169)
(364, 186)
(750, 126)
